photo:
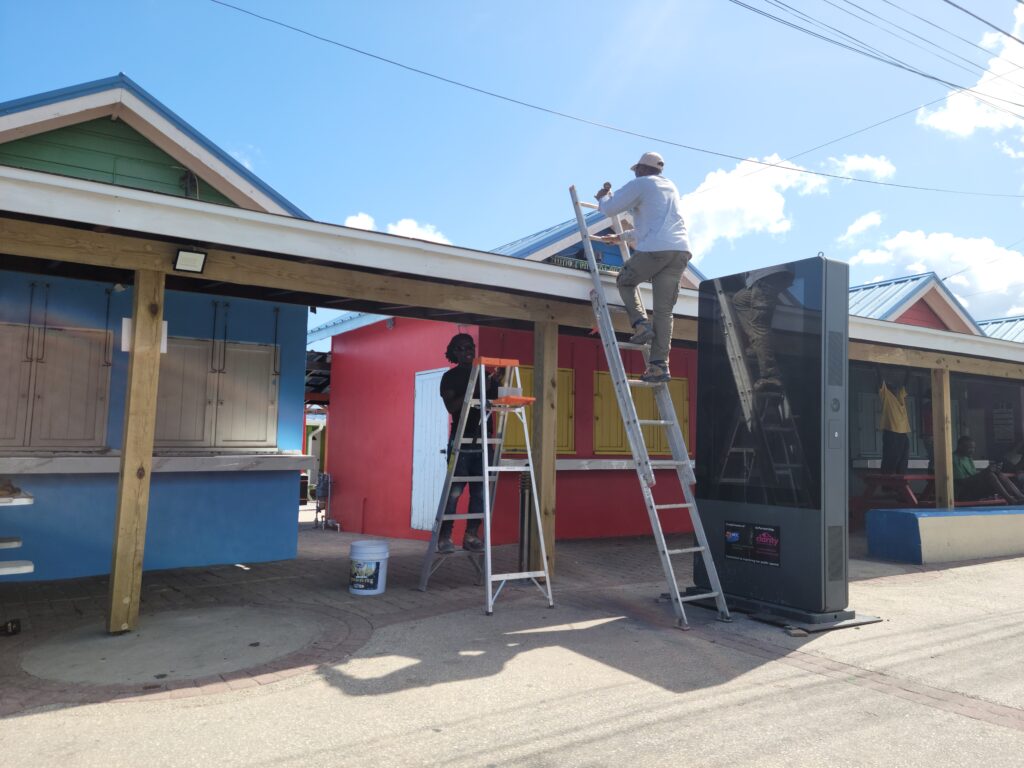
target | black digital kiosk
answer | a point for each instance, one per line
(772, 438)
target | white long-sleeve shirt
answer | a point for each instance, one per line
(657, 213)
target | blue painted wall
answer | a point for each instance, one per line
(194, 518)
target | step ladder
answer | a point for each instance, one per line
(764, 448)
(638, 446)
(510, 402)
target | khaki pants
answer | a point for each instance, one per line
(664, 269)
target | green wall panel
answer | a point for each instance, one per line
(109, 151)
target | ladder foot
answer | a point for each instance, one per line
(488, 613)
(682, 625)
(725, 618)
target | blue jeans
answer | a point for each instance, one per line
(469, 464)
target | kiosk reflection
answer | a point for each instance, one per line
(768, 334)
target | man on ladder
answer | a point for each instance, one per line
(660, 235)
(462, 351)
(661, 251)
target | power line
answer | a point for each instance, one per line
(983, 21)
(939, 27)
(911, 32)
(884, 58)
(606, 126)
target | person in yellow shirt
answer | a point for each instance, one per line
(894, 423)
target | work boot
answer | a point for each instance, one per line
(643, 333)
(472, 543)
(656, 373)
(445, 546)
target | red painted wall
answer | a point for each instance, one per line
(923, 315)
(369, 434)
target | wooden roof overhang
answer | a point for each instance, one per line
(68, 226)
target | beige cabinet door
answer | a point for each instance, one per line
(186, 394)
(70, 386)
(16, 345)
(247, 391)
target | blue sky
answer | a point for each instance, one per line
(351, 139)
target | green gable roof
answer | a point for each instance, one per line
(109, 151)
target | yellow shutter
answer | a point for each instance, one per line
(565, 410)
(609, 432)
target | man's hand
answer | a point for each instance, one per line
(609, 239)
(603, 190)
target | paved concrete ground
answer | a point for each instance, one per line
(407, 678)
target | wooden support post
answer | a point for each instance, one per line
(942, 436)
(136, 452)
(545, 437)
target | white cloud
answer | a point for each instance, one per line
(1006, 149)
(403, 227)
(861, 225)
(360, 221)
(878, 168)
(866, 256)
(981, 271)
(410, 228)
(246, 155)
(1015, 311)
(962, 114)
(746, 200)
(960, 280)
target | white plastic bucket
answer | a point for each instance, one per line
(368, 573)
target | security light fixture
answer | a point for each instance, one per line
(190, 261)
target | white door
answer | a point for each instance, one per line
(429, 442)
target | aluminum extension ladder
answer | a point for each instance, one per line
(638, 446)
(511, 404)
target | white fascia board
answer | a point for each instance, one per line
(63, 198)
(160, 130)
(929, 339)
(51, 116)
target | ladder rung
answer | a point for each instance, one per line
(663, 463)
(509, 469)
(464, 516)
(477, 440)
(672, 506)
(701, 596)
(639, 383)
(653, 422)
(522, 575)
(627, 345)
(593, 206)
(685, 551)
(9, 542)
(13, 567)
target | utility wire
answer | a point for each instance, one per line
(606, 126)
(983, 21)
(885, 59)
(914, 34)
(941, 28)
